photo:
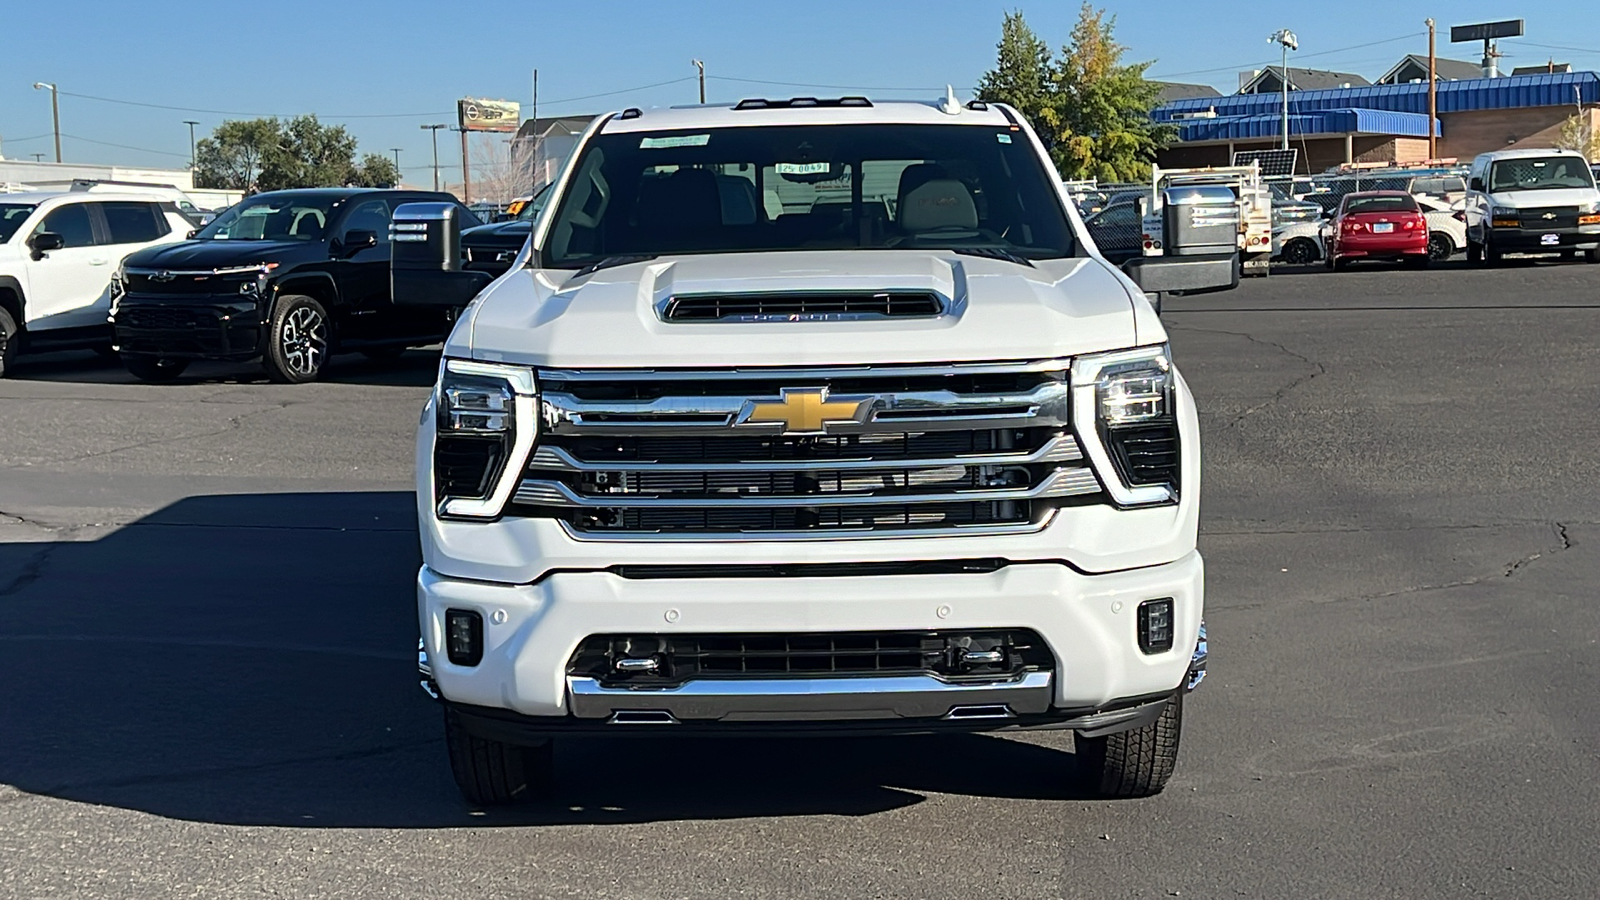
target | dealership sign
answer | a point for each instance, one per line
(489, 115)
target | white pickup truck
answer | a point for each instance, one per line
(806, 416)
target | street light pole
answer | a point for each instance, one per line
(1288, 41)
(435, 130)
(55, 112)
(191, 123)
(702, 67)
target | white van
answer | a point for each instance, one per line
(1532, 201)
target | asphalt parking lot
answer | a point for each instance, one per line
(207, 623)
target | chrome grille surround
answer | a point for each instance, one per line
(807, 453)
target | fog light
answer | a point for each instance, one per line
(463, 636)
(1155, 625)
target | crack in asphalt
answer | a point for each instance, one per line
(1509, 570)
(1280, 393)
(1560, 529)
(234, 423)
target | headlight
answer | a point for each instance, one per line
(485, 426)
(1124, 406)
(1502, 212)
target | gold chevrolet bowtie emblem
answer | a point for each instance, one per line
(805, 411)
(1549, 215)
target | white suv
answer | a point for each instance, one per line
(807, 416)
(58, 252)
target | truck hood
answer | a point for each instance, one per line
(224, 254)
(998, 310)
(1543, 198)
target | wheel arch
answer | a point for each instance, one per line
(318, 286)
(13, 300)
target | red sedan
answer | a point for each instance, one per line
(1377, 225)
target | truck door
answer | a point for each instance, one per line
(363, 273)
(65, 286)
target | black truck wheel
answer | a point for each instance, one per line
(299, 339)
(154, 369)
(491, 773)
(1134, 763)
(9, 339)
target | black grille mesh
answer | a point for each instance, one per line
(885, 304)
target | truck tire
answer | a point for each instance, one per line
(1135, 763)
(491, 773)
(154, 369)
(299, 340)
(9, 339)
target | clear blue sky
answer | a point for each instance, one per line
(401, 63)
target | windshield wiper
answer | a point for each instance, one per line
(610, 261)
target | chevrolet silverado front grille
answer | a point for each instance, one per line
(810, 452)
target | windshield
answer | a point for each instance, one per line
(268, 218)
(12, 215)
(1539, 173)
(1357, 203)
(808, 187)
(530, 210)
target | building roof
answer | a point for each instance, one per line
(1444, 69)
(1174, 90)
(1319, 123)
(1304, 79)
(1511, 92)
(550, 125)
(1545, 69)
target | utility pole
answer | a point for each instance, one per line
(533, 137)
(191, 123)
(702, 67)
(466, 175)
(1433, 96)
(38, 157)
(396, 152)
(55, 112)
(1288, 41)
(435, 131)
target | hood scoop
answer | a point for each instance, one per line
(803, 306)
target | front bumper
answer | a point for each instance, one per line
(196, 328)
(1531, 239)
(1088, 622)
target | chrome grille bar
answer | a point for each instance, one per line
(1061, 448)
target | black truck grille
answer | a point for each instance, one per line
(979, 655)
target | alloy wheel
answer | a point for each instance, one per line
(304, 341)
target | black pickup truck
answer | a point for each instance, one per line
(286, 277)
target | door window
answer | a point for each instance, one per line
(134, 223)
(71, 222)
(372, 216)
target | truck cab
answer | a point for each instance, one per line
(807, 416)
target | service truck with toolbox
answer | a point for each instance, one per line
(806, 417)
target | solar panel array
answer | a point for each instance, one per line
(1273, 162)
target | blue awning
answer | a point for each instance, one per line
(1514, 92)
(1307, 124)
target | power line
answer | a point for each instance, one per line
(831, 87)
(123, 146)
(235, 112)
(642, 87)
(1403, 37)
(36, 137)
(1557, 47)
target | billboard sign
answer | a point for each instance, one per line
(489, 115)
(1486, 31)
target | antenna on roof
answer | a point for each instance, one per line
(950, 104)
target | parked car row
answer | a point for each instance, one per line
(287, 277)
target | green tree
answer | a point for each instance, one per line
(1090, 109)
(376, 170)
(274, 154)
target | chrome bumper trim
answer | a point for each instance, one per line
(811, 699)
(1061, 448)
(1197, 663)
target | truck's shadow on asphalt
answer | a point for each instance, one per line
(248, 659)
(414, 368)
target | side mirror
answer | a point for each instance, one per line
(1189, 274)
(45, 241)
(358, 240)
(192, 233)
(425, 264)
(1476, 184)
